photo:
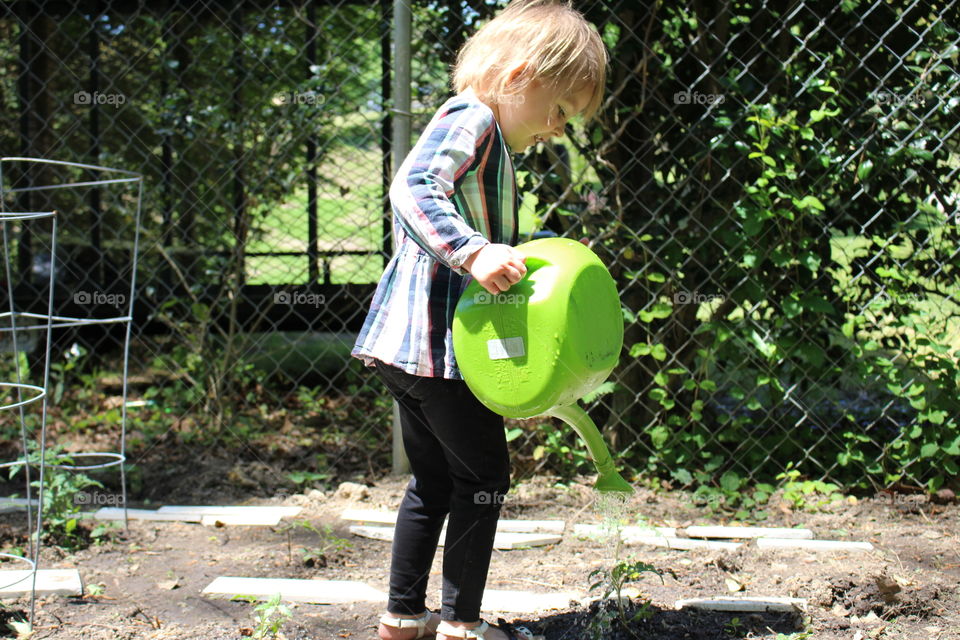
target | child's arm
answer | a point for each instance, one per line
(421, 196)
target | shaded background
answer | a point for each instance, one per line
(774, 189)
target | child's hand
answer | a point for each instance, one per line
(496, 267)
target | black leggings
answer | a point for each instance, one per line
(458, 456)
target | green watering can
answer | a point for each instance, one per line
(549, 340)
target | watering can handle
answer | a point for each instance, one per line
(577, 418)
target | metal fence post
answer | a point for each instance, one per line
(401, 146)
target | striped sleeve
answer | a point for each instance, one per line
(421, 191)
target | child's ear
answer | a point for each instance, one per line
(516, 72)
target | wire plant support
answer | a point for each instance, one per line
(19, 395)
(17, 321)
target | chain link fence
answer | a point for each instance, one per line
(774, 189)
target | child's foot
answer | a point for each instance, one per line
(483, 631)
(411, 627)
(492, 633)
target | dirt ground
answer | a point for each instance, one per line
(150, 577)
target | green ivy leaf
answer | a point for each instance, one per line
(791, 307)
(933, 416)
(513, 434)
(659, 436)
(659, 310)
(602, 390)
(929, 450)
(811, 261)
(810, 202)
(730, 482)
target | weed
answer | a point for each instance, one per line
(558, 446)
(734, 628)
(60, 508)
(733, 496)
(315, 556)
(270, 617)
(807, 495)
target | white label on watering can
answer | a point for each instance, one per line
(505, 348)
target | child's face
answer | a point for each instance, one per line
(538, 112)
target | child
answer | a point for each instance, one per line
(518, 81)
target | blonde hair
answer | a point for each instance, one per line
(554, 41)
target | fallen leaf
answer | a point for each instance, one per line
(903, 582)
(22, 628)
(733, 585)
(888, 587)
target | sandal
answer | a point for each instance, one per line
(420, 623)
(477, 633)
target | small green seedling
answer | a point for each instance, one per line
(612, 581)
(270, 617)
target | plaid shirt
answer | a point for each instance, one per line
(454, 193)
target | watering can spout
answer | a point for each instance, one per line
(608, 480)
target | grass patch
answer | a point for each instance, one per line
(349, 218)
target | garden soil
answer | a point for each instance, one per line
(146, 582)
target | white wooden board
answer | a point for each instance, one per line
(249, 519)
(503, 540)
(744, 604)
(15, 504)
(50, 582)
(209, 516)
(116, 513)
(525, 601)
(511, 526)
(212, 510)
(597, 531)
(749, 532)
(293, 590)
(683, 543)
(813, 545)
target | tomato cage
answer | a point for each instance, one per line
(43, 310)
